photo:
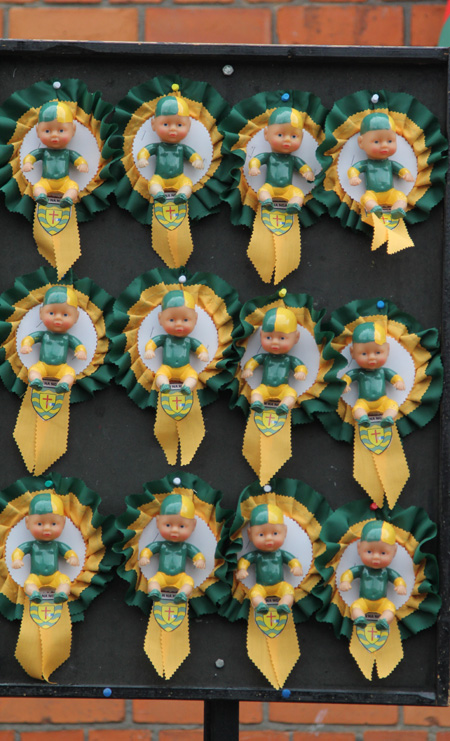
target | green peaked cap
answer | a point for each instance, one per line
(60, 295)
(176, 298)
(369, 332)
(266, 513)
(376, 530)
(46, 503)
(178, 504)
(55, 110)
(285, 115)
(376, 122)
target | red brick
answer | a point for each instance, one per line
(426, 716)
(6, 735)
(264, 736)
(426, 24)
(250, 712)
(445, 736)
(52, 736)
(89, 24)
(168, 711)
(219, 2)
(340, 714)
(209, 25)
(395, 736)
(181, 736)
(61, 2)
(323, 737)
(34, 710)
(107, 735)
(352, 24)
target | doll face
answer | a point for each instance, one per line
(171, 129)
(175, 528)
(376, 554)
(178, 321)
(378, 145)
(369, 355)
(59, 317)
(267, 537)
(283, 138)
(54, 134)
(279, 343)
(45, 527)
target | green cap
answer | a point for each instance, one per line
(369, 332)
(55, 111)
(266, 513)
(176, 298)
(172, 105)
(279, 320)
(377, 122)
(376, 530)
(46, 503)
(285, 115)
(178, 504)
(60, 295)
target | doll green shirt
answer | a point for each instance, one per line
(280, 167)
(169, 158)
(55, 162)
(379, 173)
(372, 383)
(373, 582)
(276, 368)
(176, 350)
(268, 564)
(44, 555)
(54, 346)
(172, 556)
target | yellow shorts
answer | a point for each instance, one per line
(62, 185)
(380, 405)
(54, 580)
(170, 183)
(52, 371)
(178, 581)
(290, 191)
(275, 392)
(177, 374)
(275, 590)
(373, 605)
(385, 198)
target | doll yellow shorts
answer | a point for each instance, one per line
(170, 183)
(275, 590)
(178, 580)
(177, 374)
(385, 198)
(52, 371)
(287, 192)
(373, 605)
(274, 392)
(62, 185)
(54, 580)
(379, 405)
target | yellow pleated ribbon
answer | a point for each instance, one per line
(42, 650)
(174, 246)
(266, 454)
(397, 238)
(386, 658)
(274, 254)
(167, 650)
(186, 433)
(60, 250)
(41, 442)
(384, 474)
(274, 657)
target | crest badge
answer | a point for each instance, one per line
(45, 614)
(271, 623)
(371, 638)
(376, 438)
(170, 214)
(176, 404)
(277, 221)
(46, 403)
(269, 422)
(168, 615)
(389, 221)
(53, 218)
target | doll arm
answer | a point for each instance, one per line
(402, 172)
(398, 581)
(347, 577)
(200, 350)
(31, 158)
(354, 171)
(395, 379)
(304, 169)
(348, 377)
(193, 157)
(145, 153)
(293, 563)
(78, 348)
(250, 366)
(28, 342)
(79, 161)
(243, 565)
(254, 166)
(19, 553)
(299, 368)
(148, 552)
(197, 556)
(69, 555)
(152, 344)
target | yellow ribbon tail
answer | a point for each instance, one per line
(174, 246)
(41, 442)
(266, 454)
(365, 470)
(61, 250)
(362, 656)
(261, 249)
(397, 239)
(40, 651)
(383, 474)
(167, 650)
(388, 657)
(188, 432)
(274, 657)
(287, 251)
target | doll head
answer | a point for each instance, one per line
(267, 530)
(46, 519)
(172, 121)
(377, 546)
(369, 346)
(284, 131)
(55, 126)
(176, 520)
(279, 331)
(378, 138)
(178, 316)
(59, 311)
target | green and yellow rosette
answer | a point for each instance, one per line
(380, 465)
(42, 426)
(267, 439)
(274, 247)
(56, 229)
(46, 629)
(171, 235)
(167, 638)
(272, 642)
(179, 419)
(421, 148)
(414, 611)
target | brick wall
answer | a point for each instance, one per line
(171, 720)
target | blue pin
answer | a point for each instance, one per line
(285, 97)
(107, 692)
(285, 694)
(380, 304)
(49, 483)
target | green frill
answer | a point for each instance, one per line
(428, 339)
(14, 301)
(241, 116)
(217, 592)
(413, 521)
(330, 387)
(30, 100)
(349, 213)
(126, 320)
(205, 200)
(91, 581)
(316, 512)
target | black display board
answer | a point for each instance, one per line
(111, 442)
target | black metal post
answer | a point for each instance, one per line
(221, 720)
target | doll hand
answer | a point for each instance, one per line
(204, 357)
(83, 167)
(247, 373)
(81, 354)
(253, 171)
(399, 385)
(27, 167)
(309, 176)
(297, 571)
(142, 162)
(143, 562)
(300, 376)
(400, 589)
(345, 586)
(149, 354)
(200, 564)
(355, 180)
(73, 561)
(347, 388)
(198, 164)
(17, 564)
(25, 349)
(241, 574)
(408, 177)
